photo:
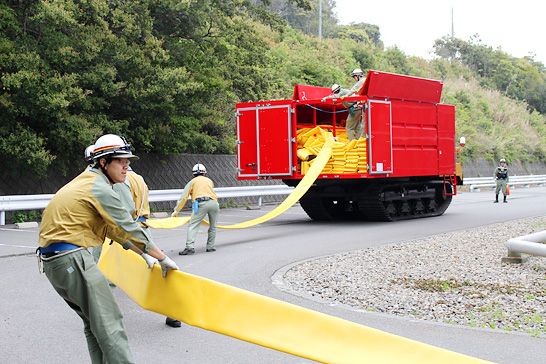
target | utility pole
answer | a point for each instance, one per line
(320, 21)
(452, 25)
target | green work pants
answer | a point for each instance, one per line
(210, 208)
(78, 280)
(501, 185)
(96, 255)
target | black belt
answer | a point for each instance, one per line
(203, 199)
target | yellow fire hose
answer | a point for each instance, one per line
(262, 320)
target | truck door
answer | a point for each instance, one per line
(264, 141)
(446, 139)
(380, 137)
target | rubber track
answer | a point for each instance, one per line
(315, 209)
(373, 208)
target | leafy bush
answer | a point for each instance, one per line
(19, 216)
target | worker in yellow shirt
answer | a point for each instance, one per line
(204, 202)
(81, 215)
(134, 195)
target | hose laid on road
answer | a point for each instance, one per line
(262, 320)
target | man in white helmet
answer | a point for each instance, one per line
(358, 76)
(81, 215)
(337, 92)
(133, 193)
(501, 177)
(204, 202)
(88, 154)
(353, 125)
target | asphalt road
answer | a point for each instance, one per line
(36, 326)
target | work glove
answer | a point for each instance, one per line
(174, 214)
(342, 97)
(149, 260)
(167, 264)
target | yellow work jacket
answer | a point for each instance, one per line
(139, 192)
(199, 186)
(85, 211)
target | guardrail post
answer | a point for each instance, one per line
(533, 244)
(513, 258)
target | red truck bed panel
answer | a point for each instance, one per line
(393, 86)
(409, 133)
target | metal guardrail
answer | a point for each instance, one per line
(532, 244)
(38, 202)
(475, 183)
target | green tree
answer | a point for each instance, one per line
(72, 71)
(305, 16)
(522, 79)
(360, 33)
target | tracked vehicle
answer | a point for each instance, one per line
(405, 166)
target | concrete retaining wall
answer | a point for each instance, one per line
(173, 172)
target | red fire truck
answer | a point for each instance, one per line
(405, 164)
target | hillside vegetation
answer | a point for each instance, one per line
(167, 75)
(495, 126)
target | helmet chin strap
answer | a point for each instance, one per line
(105, 171)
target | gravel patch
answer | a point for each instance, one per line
(455, 278)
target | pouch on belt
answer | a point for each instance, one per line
(195, 206)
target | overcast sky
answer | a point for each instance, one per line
(518, 27)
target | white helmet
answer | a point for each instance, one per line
(114, 146)
(357, 72)
(502, 160)
(88, 154)
(336, 88)
(199, 169)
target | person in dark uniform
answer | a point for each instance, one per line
(502, 179)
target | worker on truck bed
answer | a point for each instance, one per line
(337, 91)
(353, 126)
(354, 122)
(358, 76)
